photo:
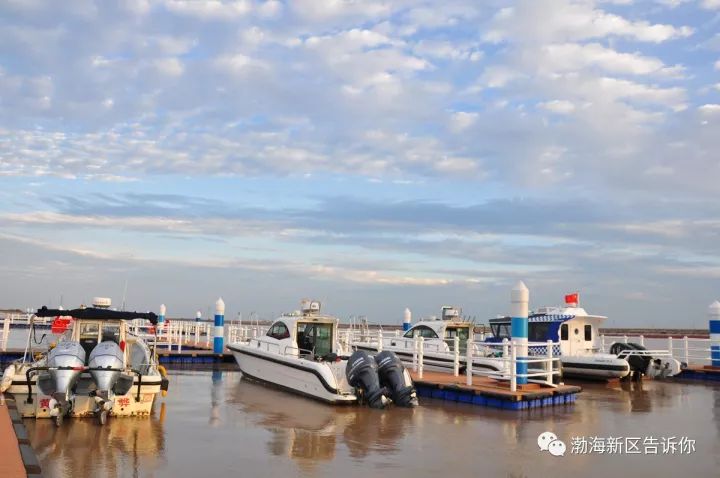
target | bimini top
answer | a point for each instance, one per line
(553, 314)
(93, 313)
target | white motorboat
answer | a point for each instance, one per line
(97, 368)
(576, 332)
(438, 343)
(301, 353)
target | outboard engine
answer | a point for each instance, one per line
(395, 378)
(105, 355)
(361, 372)
(69, 358)
(638, 363)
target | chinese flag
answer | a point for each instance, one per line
(571, 298)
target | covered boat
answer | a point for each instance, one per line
(97, 368)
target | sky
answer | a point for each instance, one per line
(374, 155)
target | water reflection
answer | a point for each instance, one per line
(310, 432)
(81, 447)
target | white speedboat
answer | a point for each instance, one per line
(97, 368)
(438, 343)
(576, 332)
(301, 353)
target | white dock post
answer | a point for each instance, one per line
(6, 332)
(198, 316)
(421, 354)
(549, 365)
(456, 356)
(602, 343)
(407, 320)
(380, 341)
(416, 349)
(687, 350)
(197, 333)
(161, 317)
(513, 368)
(519, 298)
(714, 326)
(670, 345)
(468, 363)
(642, 340)
(506, 354)
(625, 338)
(219, 335)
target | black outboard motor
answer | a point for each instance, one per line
(638, 363)
(361, 372)
(392, 376)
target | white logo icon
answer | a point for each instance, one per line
(549, 442)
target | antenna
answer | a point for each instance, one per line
(124, 295)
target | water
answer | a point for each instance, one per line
(215, 424)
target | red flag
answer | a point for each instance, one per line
(60, 325)
(571, 298)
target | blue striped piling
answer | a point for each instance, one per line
(198, 316)
(161, 317)
(218, 340)
(519, 298)
(407, 320)
(714, 320)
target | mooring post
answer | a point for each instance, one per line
(219, 336)
(198, 316)
(642, 340)
(468, 363)
(550, 363)
(687, 350)
(407, 320)
(506, 355)
(161, 317)
(519, 297)
(456, 356)
(670, 345)
(514, 379)
(380, 341)
(421, 353)
(714, 322)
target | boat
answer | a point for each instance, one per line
(575, 333)
(97, 368)
(438, 343)
(301, 353)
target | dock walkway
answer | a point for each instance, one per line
(17, 459)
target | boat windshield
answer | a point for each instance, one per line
(462, 332)
(315, 338)
(501, 331)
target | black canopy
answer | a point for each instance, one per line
(97, 314)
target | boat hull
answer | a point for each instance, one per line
(304, 377)
(595, 367)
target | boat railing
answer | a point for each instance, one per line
(687, 350)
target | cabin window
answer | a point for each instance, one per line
(563, 332)
(501, 331)
(588, 333)
(279, 331)
(315, 338)
(421, 331)
(538, 331)
(463, 333)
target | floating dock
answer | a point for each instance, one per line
(488, 392)
(706, 373)
(17, 459)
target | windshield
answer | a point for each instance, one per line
(501, 331)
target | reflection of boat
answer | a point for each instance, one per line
(310, 433)
(438, 343)
(301, 352)
(137, 446)
(97, 368)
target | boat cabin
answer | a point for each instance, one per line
(571, 326)
(445, 330)
(307, 334)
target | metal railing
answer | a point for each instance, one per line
(686, 350)
(4, 333)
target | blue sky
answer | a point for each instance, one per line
(375, 155)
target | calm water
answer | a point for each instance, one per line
(216, 424)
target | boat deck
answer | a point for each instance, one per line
(492, 393)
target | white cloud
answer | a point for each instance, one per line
(226, 10)
(169, 66)
(711, 4)
(710, 109)
(558, 106)
(574, 56)
(461, 120)
(717, 65)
